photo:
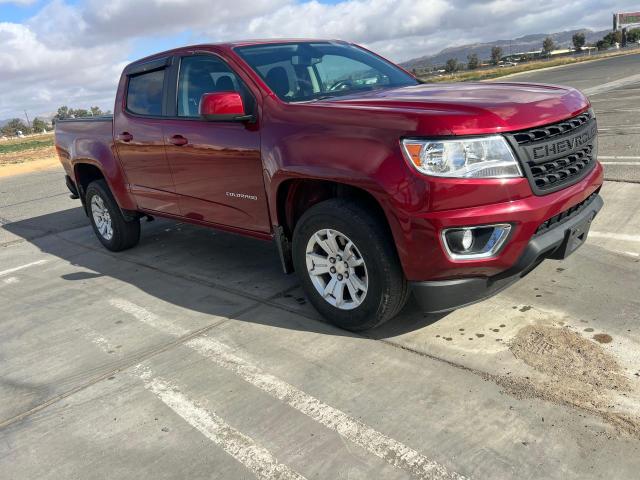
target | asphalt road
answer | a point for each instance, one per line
(193, 356)
(613, 86)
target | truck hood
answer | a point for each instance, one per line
(472, 108)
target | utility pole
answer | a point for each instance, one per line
(27, 117)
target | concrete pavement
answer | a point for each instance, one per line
(193, 356)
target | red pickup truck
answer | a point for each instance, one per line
(371, 184)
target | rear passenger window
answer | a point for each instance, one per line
(144, 95)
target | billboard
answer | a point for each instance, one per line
(626, 20)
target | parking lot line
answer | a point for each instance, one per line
(628, 164)
(145, 316)
(377, 443)
(606, 87)
(619, 128)
(21, 267)
(615, 236)
(241, 447)
(624, 252)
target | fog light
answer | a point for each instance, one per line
(468, 243)
(467, 239)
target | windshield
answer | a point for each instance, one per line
(313, 70)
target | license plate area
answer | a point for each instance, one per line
(574, 238)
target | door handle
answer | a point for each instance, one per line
(125, 137)
(178, 140)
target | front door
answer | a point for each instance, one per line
(217, 168)
(139, 139)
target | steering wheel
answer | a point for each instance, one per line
(340, 85)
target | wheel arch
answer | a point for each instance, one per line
(294, 196)
(86, 171)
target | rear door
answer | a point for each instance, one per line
(139, 137)
(217, 166)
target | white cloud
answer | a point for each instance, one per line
(38, 77)
(362, 20)
(98, 21)
(72, 53)
(19, 2)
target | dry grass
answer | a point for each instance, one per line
(27, 155)
(32, 142)
(21, 150)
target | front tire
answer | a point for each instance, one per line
(109, 224)
(348, 265)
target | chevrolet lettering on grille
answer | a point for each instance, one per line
(562, 146)
(557, 155)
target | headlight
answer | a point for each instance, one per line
(481, 157)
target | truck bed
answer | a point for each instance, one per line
(83, 139)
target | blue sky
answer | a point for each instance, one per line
(57, 52)
(17, 13)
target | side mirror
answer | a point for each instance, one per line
(223, 107)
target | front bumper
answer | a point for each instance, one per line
(445, 295)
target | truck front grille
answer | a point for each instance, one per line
(558, 155)
(566, 215)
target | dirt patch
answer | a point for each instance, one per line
(602, 338)
(23, 156)
(552, 392)
(27, 165)
(574, 370)
(560, 351)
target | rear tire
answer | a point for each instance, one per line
(109, 224)
(346, 260)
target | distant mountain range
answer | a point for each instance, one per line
(528, 43)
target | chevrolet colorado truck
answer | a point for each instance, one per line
(372, 185)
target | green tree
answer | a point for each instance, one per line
(610, 39)
(96, 111)
(63, 112)
(80, 112)
(633, 35)
(472, 61)
(616, 37)
(548, 45)
(13, 126)
(496, 55)
(39, 125)
(578, 41)
(451, 65)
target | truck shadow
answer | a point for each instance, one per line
(236, 270)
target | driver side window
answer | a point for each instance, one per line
(200, 74)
